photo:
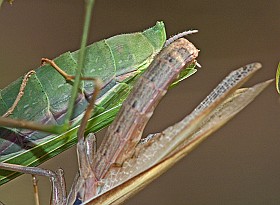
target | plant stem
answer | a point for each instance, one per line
(88, 7)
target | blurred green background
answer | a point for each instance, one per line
(237, 165)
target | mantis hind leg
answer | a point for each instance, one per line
(85, 183)
(35, 189)
(56, 178)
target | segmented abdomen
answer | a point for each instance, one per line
(125, 132)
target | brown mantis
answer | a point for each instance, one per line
(122, 156)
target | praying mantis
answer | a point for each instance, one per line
(121, 157)
(108, 174)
